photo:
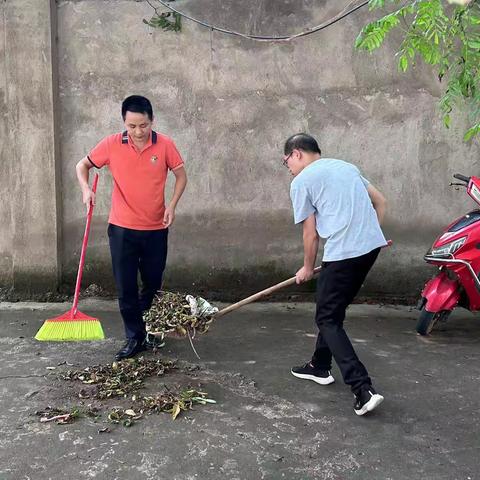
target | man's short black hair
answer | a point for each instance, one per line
(301, 141)
(137, 104)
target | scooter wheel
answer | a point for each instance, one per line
(427, 320)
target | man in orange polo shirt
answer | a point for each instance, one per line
(139, 160)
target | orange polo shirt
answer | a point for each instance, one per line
(139, 177)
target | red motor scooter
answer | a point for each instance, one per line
(457, 252)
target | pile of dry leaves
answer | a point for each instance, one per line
(123, 379)
(172, 313)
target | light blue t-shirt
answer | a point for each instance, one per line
(336, 192)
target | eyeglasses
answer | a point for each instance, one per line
(285, 160)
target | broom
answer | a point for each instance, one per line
(74, 325)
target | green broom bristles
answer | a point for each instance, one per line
(70, 330)
(74, 325)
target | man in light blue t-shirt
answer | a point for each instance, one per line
(333, 201)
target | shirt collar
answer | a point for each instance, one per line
(152, 140)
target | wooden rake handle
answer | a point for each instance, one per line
(257, 296)
(268, 291)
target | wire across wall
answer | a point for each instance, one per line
(351, 8)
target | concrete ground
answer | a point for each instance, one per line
(266, 424)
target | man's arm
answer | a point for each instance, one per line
(82, 168)
(180, 184)
(379, 202)
(310, 249)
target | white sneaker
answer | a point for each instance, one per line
(307, 372)
(367, 400)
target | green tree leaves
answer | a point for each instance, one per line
(373, 35)
(446, 37)
(168, 21)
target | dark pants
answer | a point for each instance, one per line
(337, 285)
(133, 251)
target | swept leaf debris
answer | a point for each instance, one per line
(58, 415)
(172, 313)
(120, 378)
(123, 379)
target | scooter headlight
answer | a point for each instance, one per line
(448, 248)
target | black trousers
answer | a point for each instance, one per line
(134, 251)
(337, 285)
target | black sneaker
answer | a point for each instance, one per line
(367, 400)
(308, 372)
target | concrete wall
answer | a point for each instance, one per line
(6, 274)
(229, 103)
(29, 185)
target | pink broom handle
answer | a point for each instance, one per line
(84, 249)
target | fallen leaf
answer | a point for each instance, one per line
(175, 410)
